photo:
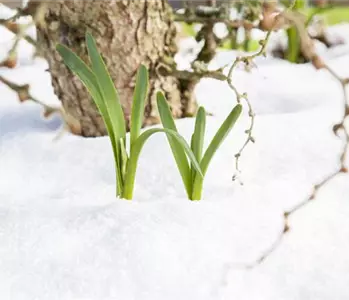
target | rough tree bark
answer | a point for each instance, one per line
(127, 33)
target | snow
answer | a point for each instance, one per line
(63, 235)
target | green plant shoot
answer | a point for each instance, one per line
(103, 92)
(192, 180)
(293, 38)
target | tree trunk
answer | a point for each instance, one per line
(127, 33)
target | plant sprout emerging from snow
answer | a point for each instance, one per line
(192, 180)
(101, 87)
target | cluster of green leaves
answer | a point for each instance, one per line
(192, 179)
(191, 163)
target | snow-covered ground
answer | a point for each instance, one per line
(63, 235)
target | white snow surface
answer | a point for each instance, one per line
(64, 235)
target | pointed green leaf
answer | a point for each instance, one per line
(220, 136)
(110, 96)
(139, 96)
(197, 142)
(107, 89)
(123, 157)
(199, 133)
(177, 150)
(78, 67)
(136, 150)
(217, 140)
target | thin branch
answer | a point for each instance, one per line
(243, 96)
(342, 169)
(23, 93)
(14, 28)
(35, 9)
(318, 63)
(20, 33)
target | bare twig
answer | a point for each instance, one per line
(36, 11)
(282, 19)
(309, 51)
(340, 126)
(69, 123)
(243, 96)
(342, 168)
(20, 33)
(15, 28)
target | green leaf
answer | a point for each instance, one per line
(217, 140)
(136, 150)
(123, 157)
(177, 150)
(78, 67)
(139, 96)
(220, 136)
(110, 97)
(107, 89)
(197, 142)
(293, 45)
(199, 133)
